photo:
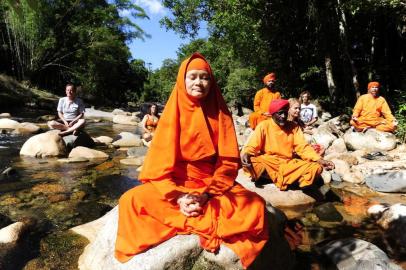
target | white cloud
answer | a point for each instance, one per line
(153, 6)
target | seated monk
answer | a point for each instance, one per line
(262, 100)
(270, 151)
(372, 111)
(189, 177)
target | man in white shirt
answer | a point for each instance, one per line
(308, 112)
(70, 111)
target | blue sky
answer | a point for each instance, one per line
(163, 44)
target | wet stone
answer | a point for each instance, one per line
(328, 212)
(137, 151)
(392, 182)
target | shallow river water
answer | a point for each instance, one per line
(57, 196)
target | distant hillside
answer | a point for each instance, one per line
(14, 93)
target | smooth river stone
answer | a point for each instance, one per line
(391, 182)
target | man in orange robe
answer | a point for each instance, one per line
(270, 151)
(262, 100)
(189, 177)
(372, 111)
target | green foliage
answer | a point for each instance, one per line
(401, 118)
(239, 87)
(52, 43)
(362, 40)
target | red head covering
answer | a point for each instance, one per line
(190, 130)
(198, 64)
(270, 76)
(277, 104)
(373, 84)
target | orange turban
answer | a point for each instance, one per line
(373, 84)
(277, 104)
(270, 76)
(198, 64)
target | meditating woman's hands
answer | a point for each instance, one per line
(191, 205)
(326, 164)
(246, 160)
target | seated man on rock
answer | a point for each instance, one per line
(372, 111)
(271, 150)
(70, 111)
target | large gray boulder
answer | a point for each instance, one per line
(179, 252)
(44, 145)
(371, 140)
(128, 139)
(393, 182)
(356, 254)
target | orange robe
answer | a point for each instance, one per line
(261, 104)
(272, 150)
(373, 112)
(194, 150)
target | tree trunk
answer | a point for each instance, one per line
(342, 25)
(332, 89)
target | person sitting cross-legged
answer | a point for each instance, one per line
(189, 177)
(70, 111)
(270, 151)
(372, 111)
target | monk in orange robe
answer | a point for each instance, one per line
(372, 111)
(270, 151)
(189, 177)
(262, 100)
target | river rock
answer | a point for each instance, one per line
(91, 113)
(356, 254)
(371, 140)
(338, 146)
(5, 115)
(84, 152)
(137, 151)
(392, 220)
(6, 123)
(280, 199)
(120, 112)
(394, 182)
(128, 139)
(103, 140)
(136, 161)
(242, 120)
(328, 212)
(12, 232)
(341, 167)
(26, 128)
(81, 139)
(179, 252)
(126, 120)
(323, 135)
(44, 145)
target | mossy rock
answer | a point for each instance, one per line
(59, 251)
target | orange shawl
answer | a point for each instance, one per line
(191, 130)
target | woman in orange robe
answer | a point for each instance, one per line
(189, 177)
(262, 100)
(372, 111)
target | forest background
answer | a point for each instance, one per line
(332, 48)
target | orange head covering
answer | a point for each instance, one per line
(373, 84)
(190, 130)
(198, 64)
(268, 77)
(277, 104)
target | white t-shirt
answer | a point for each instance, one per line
(307, 112)
(70, 109)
